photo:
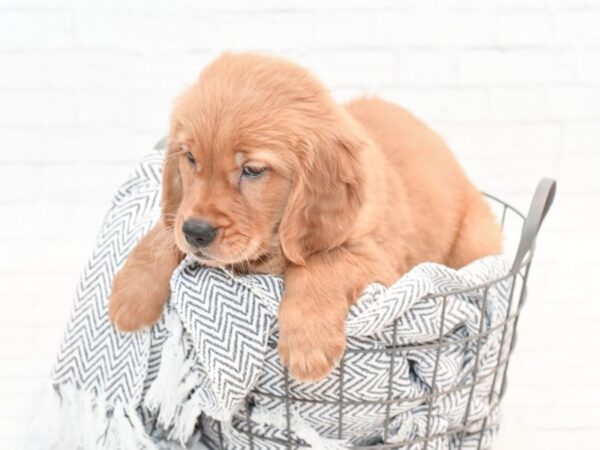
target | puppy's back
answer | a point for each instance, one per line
(434, 212)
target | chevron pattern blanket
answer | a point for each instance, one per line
(211, 363)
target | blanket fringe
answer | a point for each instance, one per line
(71, 419)
(172, 395)
(189, 413)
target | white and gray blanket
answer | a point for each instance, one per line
(211, 363)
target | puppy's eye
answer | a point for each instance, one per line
(253, 172)
(190, 158)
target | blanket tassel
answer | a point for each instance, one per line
(171, 394)
(100, 426)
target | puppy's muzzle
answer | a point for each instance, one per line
(199, 233)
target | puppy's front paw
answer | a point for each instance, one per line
(132, 307)
(311, 353)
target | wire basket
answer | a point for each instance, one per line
(523, 238)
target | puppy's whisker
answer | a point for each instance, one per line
(253, 252)
(163, 242)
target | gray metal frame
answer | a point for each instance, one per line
(542, 200)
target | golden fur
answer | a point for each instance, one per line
(350, 195)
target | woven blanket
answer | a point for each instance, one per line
(208, 371)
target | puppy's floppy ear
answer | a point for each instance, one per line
(326, 195)
(171, 185)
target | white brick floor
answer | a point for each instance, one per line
(513, 85)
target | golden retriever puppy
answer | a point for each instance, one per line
(265, 173)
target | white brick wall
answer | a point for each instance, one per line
(513, 85)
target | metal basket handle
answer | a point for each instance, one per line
(540, 204)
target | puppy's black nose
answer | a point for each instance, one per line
(199, 233)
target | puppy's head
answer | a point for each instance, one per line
(261, 164)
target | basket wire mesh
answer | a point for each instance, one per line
(529, 226)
